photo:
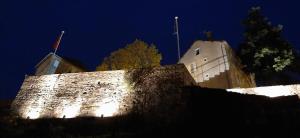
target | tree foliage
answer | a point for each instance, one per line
(264, 51)
(138, 54)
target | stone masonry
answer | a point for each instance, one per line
(96, 94)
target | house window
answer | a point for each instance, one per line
(205, 59)
(56, 62)
(206, 76)
(193, 67)
(197, 51)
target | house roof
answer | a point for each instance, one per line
(68, 60)
(46, 57)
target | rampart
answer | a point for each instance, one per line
(96, 94)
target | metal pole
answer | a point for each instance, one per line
(177, 33)
(61, 35)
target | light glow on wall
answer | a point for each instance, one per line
(71, 110)
(110, 106)
(33, 112)
(107, 108)
(35, 106)
(101, 96)
(270, 91)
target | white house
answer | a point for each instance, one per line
(213, 64)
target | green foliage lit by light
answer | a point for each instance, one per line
(263, 47)
(264, 51)
(281, 63)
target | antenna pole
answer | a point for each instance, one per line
(58, 41)
(177, 34)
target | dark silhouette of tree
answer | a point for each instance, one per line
(138, 54)
(264, 51)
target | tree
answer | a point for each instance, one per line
(264, 51)
(135, 55)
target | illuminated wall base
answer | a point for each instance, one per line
(270, 91)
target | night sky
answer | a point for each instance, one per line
(94, 28)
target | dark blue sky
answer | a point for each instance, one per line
(94, 28)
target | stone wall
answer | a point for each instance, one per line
(238, 78)
(97, 94)
(270, 91)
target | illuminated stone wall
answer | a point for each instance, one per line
(103, 93)
(270, 91)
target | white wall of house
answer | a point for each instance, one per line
(206, 59)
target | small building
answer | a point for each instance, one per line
(213, 64)
(54, 64)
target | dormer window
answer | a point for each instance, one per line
(197, 51)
